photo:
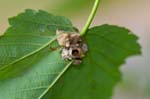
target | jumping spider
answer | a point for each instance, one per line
(73, 47)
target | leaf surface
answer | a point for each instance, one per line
(109, 46)
(29, 33)
(33, 71)
(28, 66)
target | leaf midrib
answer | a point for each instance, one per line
(31, 53)
(55, 80)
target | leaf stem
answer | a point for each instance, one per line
(91, 17)
(55, 80)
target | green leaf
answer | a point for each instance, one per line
(29, 33)
(33, 71)
(27, 44)
(109, 46)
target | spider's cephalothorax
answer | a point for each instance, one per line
(73, 47)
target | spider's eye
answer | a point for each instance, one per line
(75, 52)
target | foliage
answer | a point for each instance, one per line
(30, 69)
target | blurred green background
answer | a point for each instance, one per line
(133, 14)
